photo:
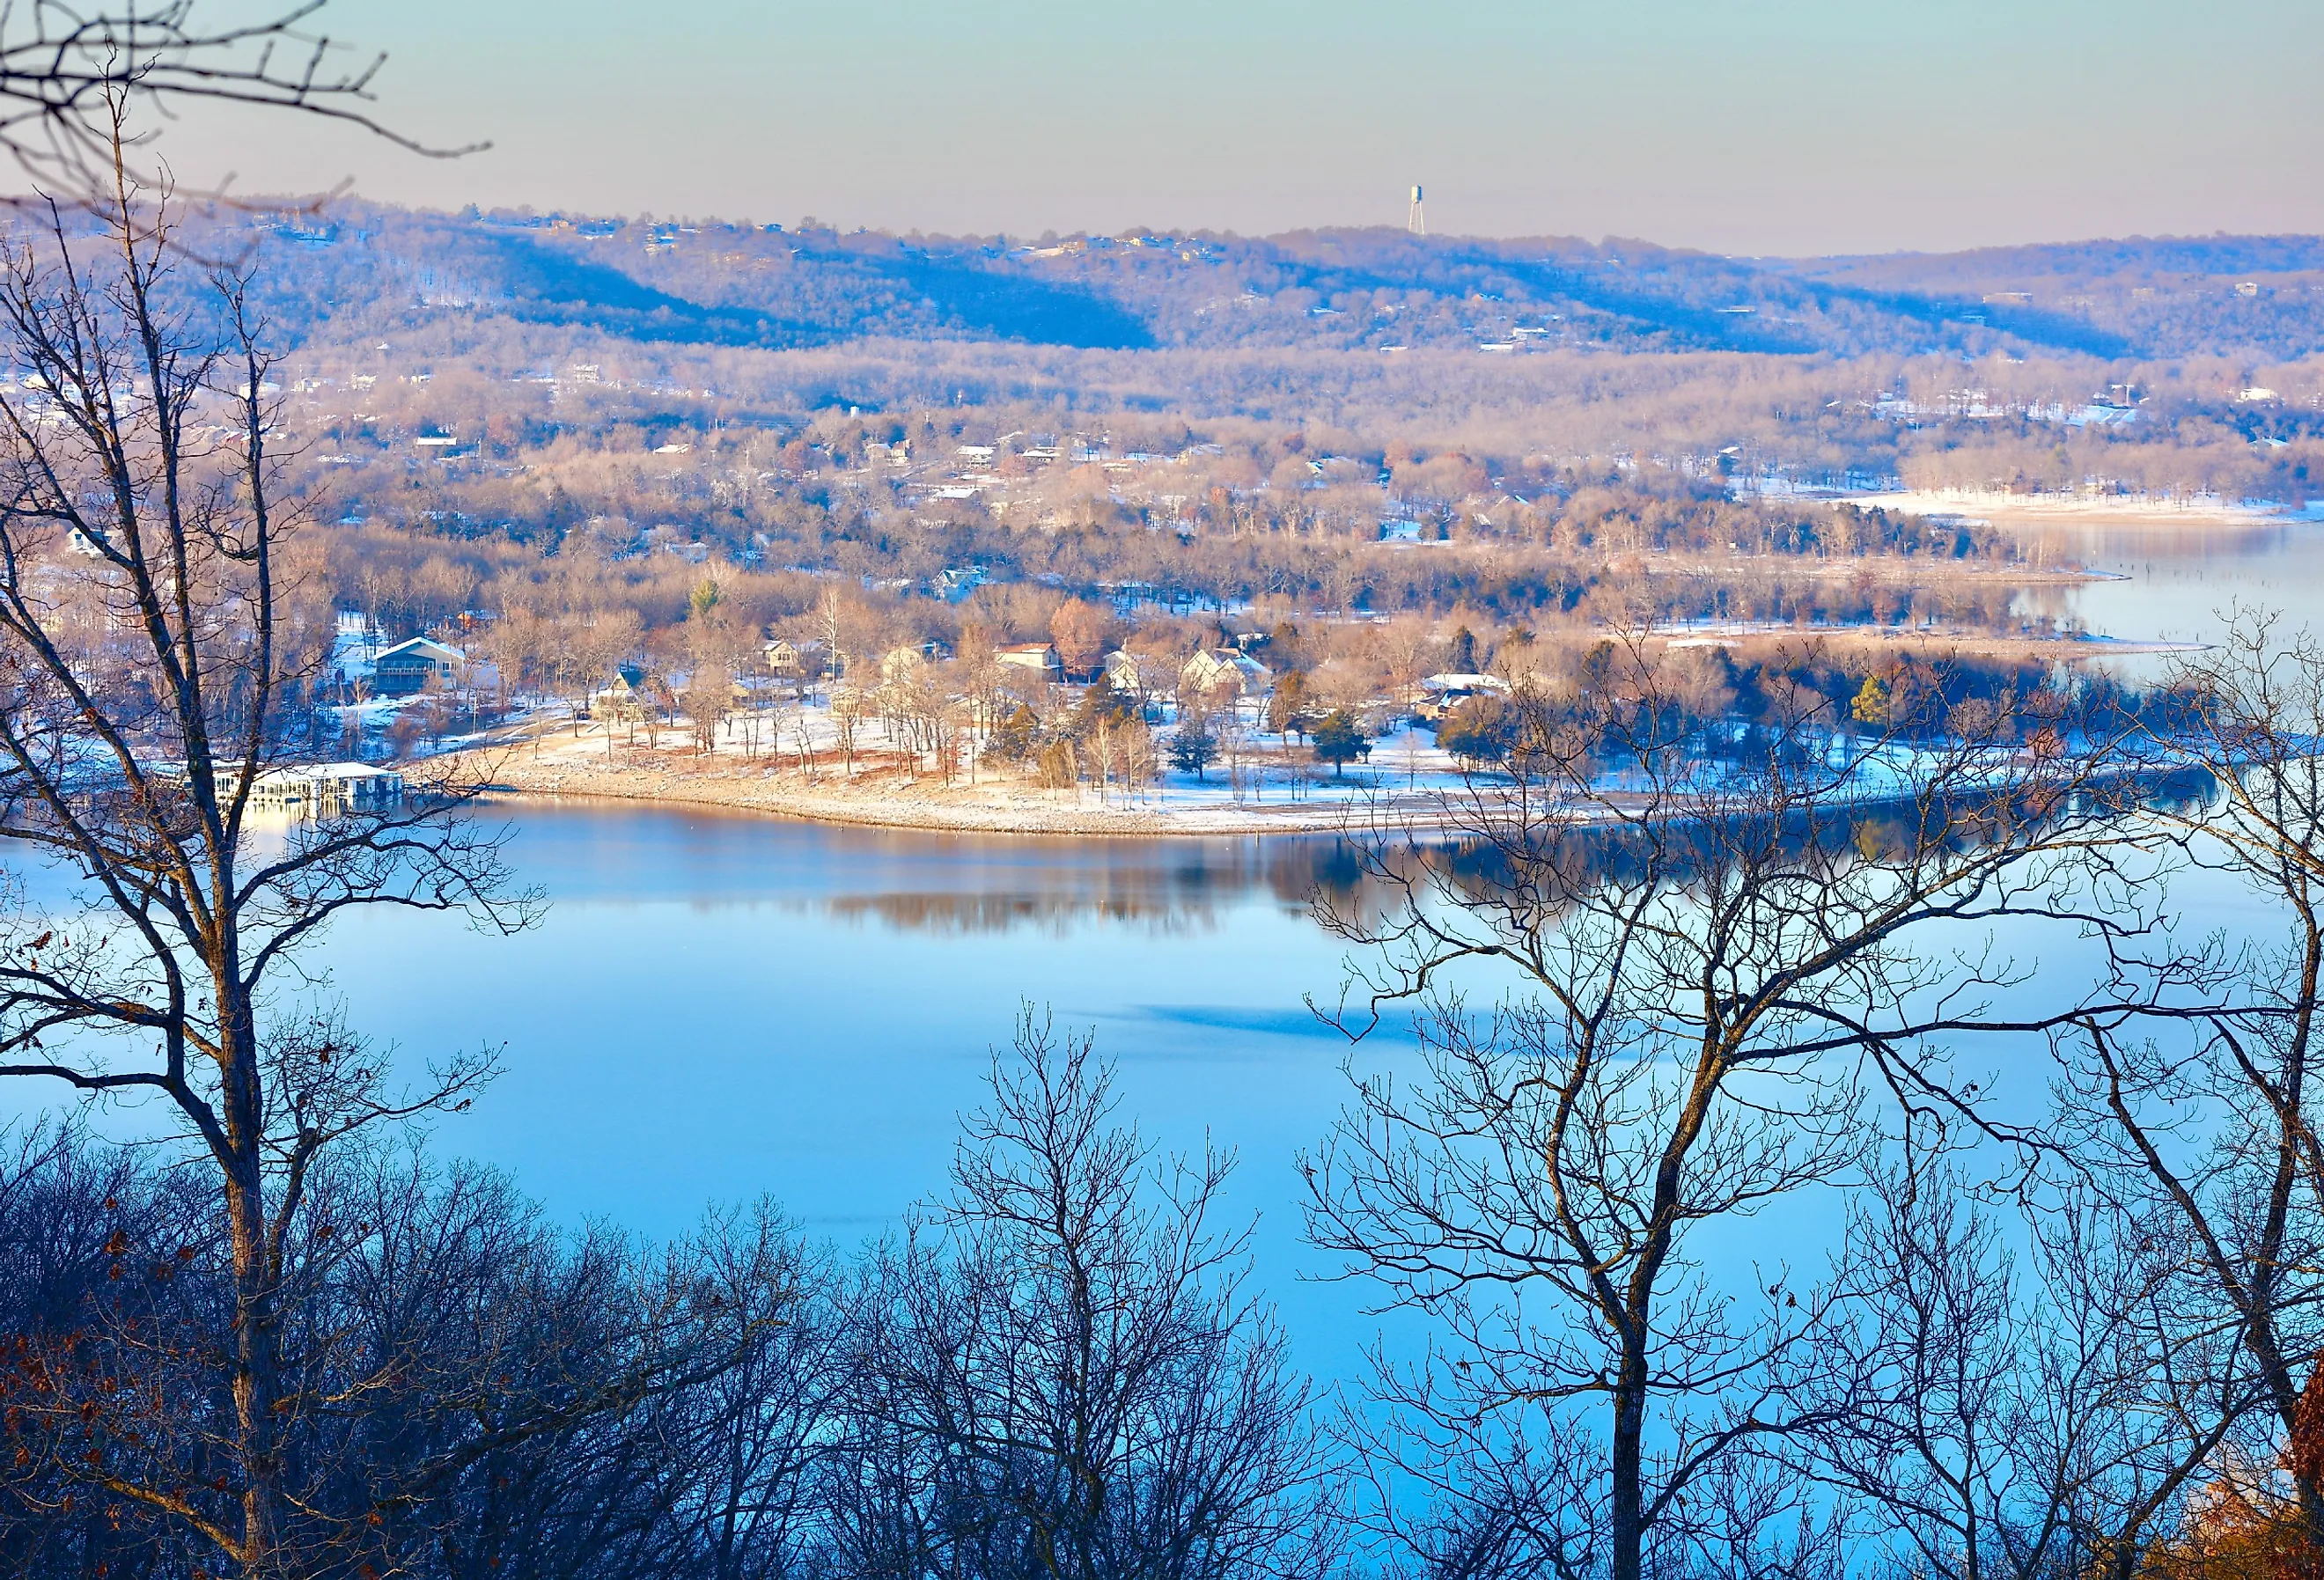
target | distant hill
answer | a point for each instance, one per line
(363, 267)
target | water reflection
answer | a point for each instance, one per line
(941, 885)
(2177, 579)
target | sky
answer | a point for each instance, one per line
(1736, 125)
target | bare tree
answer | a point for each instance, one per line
(132, 755)
(708, 698)
(2185, 1104)
(1993, 1411)
(66, 76)
(1701, 947)
(503, 1394)
(1067, 1349)
(1079, 629)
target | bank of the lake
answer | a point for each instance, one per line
(887, 795)
(1405, 782)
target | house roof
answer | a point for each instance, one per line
(327, 773)
(1226, 658)
(421, 647)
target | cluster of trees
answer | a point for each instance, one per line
(1532, 495)
(411, 580)
(1726, 708)
(2068, 1321)
(689, 639)
(1058, 1368)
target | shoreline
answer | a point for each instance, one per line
(759, 795)
(883, 795)
(2063, 510)
(1416, 813)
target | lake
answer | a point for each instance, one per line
(2175, 580)
(718, 1007)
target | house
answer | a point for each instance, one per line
(410, 665)
(903, 665)
(1439, 695)
(1227, 669)
(783, 657)
(624, 695)
(1139, 675)
(326, 790)
(1040, 657)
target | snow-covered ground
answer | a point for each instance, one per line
(2159, 509)
(789, 759)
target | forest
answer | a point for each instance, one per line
(634, 389)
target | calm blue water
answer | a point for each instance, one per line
(2178, 580)
(716, 1008)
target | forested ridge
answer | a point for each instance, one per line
(746, 284)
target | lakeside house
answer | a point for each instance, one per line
(1142, 676)
(903, 665)
(326, 790)
(411, 664)
(622, 697)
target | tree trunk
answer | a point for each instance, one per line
(257, 1372)
(257, 1377)
(1629, 1468)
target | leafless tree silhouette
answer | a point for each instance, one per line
(151, 655)
(1710, 941)
(66, 75)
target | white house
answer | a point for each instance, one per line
(1440, 694)
(327, 789)
(1138, 675)
(1224, 668)
(1040, 657)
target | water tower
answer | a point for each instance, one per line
(1415, 220)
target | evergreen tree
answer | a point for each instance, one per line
(1339, 740)
(1194, 748)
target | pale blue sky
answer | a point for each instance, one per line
(1748, 125)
